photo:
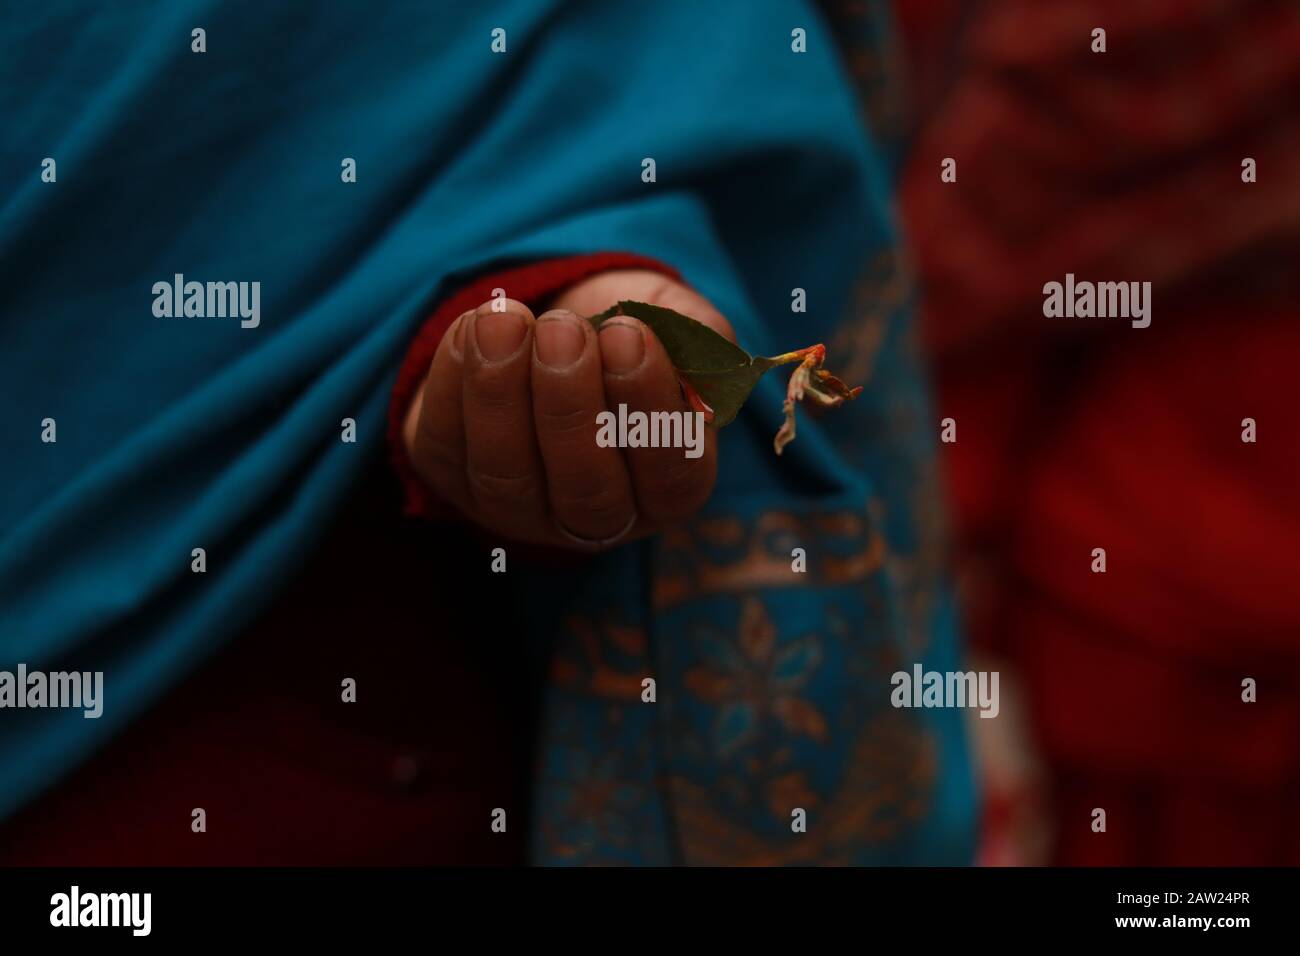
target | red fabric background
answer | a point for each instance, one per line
(1076, 434)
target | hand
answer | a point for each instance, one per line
(505, 425)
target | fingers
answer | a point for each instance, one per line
(503, 468)
(673, 481)
(599, 292)
(589, 490)
(507, 424)
(434, 430)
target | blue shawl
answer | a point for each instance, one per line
(176, 432)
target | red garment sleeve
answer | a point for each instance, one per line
(533, 285)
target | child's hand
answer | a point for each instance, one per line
(505, 425)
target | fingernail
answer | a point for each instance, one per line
(498, 334)
(560, 341)
(622, 346)
(458, 333)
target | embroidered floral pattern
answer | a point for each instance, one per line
(749, 680)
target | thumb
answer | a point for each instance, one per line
(597, 293)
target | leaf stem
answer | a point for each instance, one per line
(813, 354)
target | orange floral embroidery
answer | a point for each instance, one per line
(751, 680)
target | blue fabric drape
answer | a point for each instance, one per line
(184, 432)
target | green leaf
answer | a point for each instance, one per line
(724, 374)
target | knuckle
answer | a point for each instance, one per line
(500, 384)
(497, 487)
(497, 409)
(495, 401)
(565, 420)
